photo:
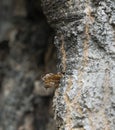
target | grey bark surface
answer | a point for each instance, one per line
(85, 38)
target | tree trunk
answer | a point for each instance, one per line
(85, 38)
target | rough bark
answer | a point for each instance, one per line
(85, 38)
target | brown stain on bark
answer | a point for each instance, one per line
(85, 49)
(85, 58)
(81, 72)
(63, 54)
(89, 20)
(68, 102)
(86, 42)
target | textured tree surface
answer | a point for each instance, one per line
(26, 53)
(85, 38)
